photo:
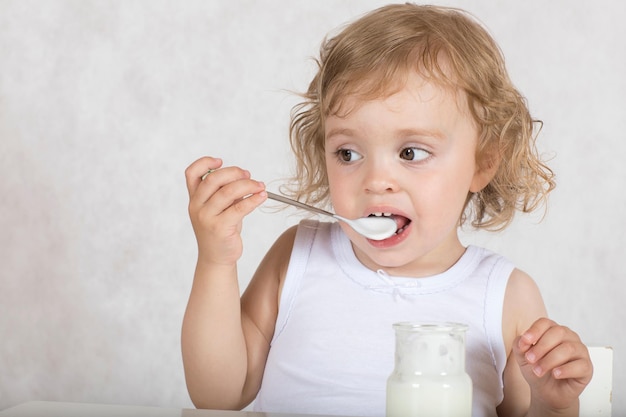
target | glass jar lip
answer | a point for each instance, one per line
(430, 326)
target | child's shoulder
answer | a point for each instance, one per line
(492, 261)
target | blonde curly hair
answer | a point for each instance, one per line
(371, 58)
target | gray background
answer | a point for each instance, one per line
(103, 104)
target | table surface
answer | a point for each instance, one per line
(67, 409)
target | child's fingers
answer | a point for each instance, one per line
(579, 369)
(531, 336)
(552, 337)
(195, 171)
(235, 198)
(222, 181)
(246, 205)
(549, 347)
(560, 355)
(536, 342)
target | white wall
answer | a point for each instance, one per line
(103, 104)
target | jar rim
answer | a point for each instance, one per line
(431, 326)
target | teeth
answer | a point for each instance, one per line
(380, 214)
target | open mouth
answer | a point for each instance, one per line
(401, 221)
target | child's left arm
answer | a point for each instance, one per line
(556, 365)
(548, 366)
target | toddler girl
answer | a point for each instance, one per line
(411, 116)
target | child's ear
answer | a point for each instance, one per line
(486, 168)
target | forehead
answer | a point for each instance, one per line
(429, 91)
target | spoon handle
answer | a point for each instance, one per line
(298, 204)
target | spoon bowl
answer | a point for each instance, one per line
(374, 228)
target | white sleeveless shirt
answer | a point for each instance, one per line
(333, 346)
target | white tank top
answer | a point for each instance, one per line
(333, 346)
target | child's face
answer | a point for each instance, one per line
(411, 154)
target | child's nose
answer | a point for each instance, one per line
(380, 179)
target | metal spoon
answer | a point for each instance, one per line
(375, 228)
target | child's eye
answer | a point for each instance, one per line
(414, 154)
(348, 155)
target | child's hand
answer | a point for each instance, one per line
(217, 205)
(554, 362)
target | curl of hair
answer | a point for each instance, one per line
(371, 58)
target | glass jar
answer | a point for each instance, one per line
(429, 378)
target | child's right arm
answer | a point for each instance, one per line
(225, 341)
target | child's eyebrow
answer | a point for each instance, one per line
(435, 134)
(401, 133)
(343, 131)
